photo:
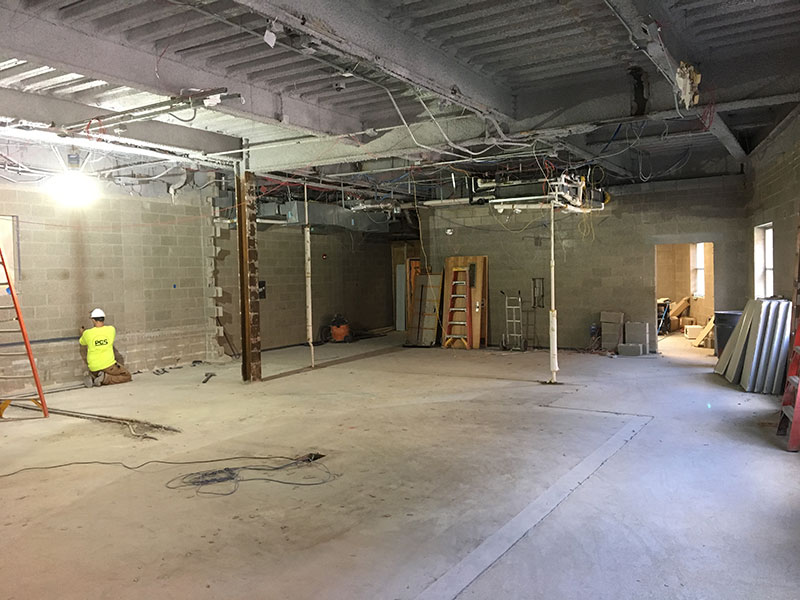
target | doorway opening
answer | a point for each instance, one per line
(685, 298)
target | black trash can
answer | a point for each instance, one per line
(724, 323)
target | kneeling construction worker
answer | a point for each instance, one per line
(105, 363)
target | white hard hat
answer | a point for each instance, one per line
(98, 314)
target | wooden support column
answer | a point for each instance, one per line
(246, 211)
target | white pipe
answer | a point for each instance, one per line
(577, 209)
(307, 247)
(537, 206)
(520, 198)
(553, 312)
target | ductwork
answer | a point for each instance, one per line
(321, 215)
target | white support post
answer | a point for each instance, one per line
(307, 245)
(553, 312)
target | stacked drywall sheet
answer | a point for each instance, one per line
(755, 355)
(611, 329)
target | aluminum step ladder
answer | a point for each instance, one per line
(513, 338)
(5, 332)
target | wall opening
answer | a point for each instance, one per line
(683, 271)
(763, 258)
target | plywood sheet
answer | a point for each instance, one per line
(424, 321)
(677, 309)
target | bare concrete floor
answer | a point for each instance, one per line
(434, 452)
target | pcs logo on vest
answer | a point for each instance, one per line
(101, 342)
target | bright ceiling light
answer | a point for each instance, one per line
(73, 189)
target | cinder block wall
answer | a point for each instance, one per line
(605, 261)
(354, 279)
(774, 175)
(673, 271)
(139, 259)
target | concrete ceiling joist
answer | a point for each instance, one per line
(649, 39)
(352, 29)
(468, 131)
(589, 156)
(31, 36)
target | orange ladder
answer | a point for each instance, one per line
(791, 392)
(791, 396)
(460, 278)
(38, 400)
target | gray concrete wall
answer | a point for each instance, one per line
(142, 260)
(774, 174)
(605, 261)
(354, 279)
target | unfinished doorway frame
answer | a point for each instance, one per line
(679, 239)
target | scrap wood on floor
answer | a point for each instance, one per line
(704, 333)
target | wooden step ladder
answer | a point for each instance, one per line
(38, 399)
(459, 316)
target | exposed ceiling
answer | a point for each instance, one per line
(348, 85)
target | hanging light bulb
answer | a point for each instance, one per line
(73, 188)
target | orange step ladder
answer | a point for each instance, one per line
(791, 396)
(38, 399)
(791, 392)
(460, 288)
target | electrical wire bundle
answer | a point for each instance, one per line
(233, 476)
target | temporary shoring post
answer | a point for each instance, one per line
(248, 274)
(307, 246)
(553, 313)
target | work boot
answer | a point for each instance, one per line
(88, 381)
(98, 381)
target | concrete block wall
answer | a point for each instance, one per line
(774, 178)
(353, 279)
(673, 271)
(605, 261)
(140, 259)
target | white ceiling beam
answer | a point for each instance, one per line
(353, 29)
(43, 109)
(31, 36)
